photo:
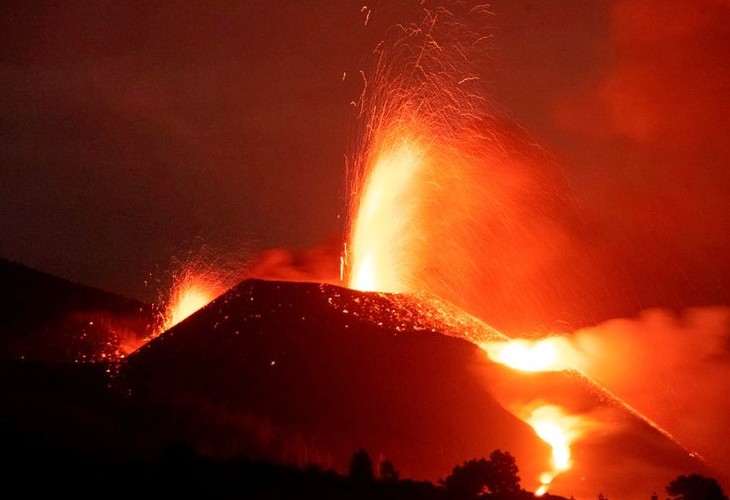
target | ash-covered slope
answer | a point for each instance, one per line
(46, 318)
(302, 372)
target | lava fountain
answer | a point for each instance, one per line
(389, 185)
(189, 295)
(193, 287)
(444, 196)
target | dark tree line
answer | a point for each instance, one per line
(695, 487)
(39, 469)
(497, 478)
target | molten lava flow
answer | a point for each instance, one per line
(558, 430)
(550, 422)
(548, 354)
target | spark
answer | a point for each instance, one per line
(367, 12)
(197, 281)
(468, 79)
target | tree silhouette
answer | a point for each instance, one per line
(468, 480)
(496, 477)
(695, 487)
(388, 471)
(504, 478)
(361, 467)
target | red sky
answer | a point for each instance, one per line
(133, 132)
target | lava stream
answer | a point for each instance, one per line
(559, 430)
(550, 422)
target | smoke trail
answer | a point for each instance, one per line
(672, 368)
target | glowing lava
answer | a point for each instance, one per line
(550, 422)
(383, 218)
(559, 430)
(186, 302)
(192, 290)
(548, 354)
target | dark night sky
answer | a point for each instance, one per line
(133, 131)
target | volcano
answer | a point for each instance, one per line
(306, 373)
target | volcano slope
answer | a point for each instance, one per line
(49, 319)
(308, 373)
